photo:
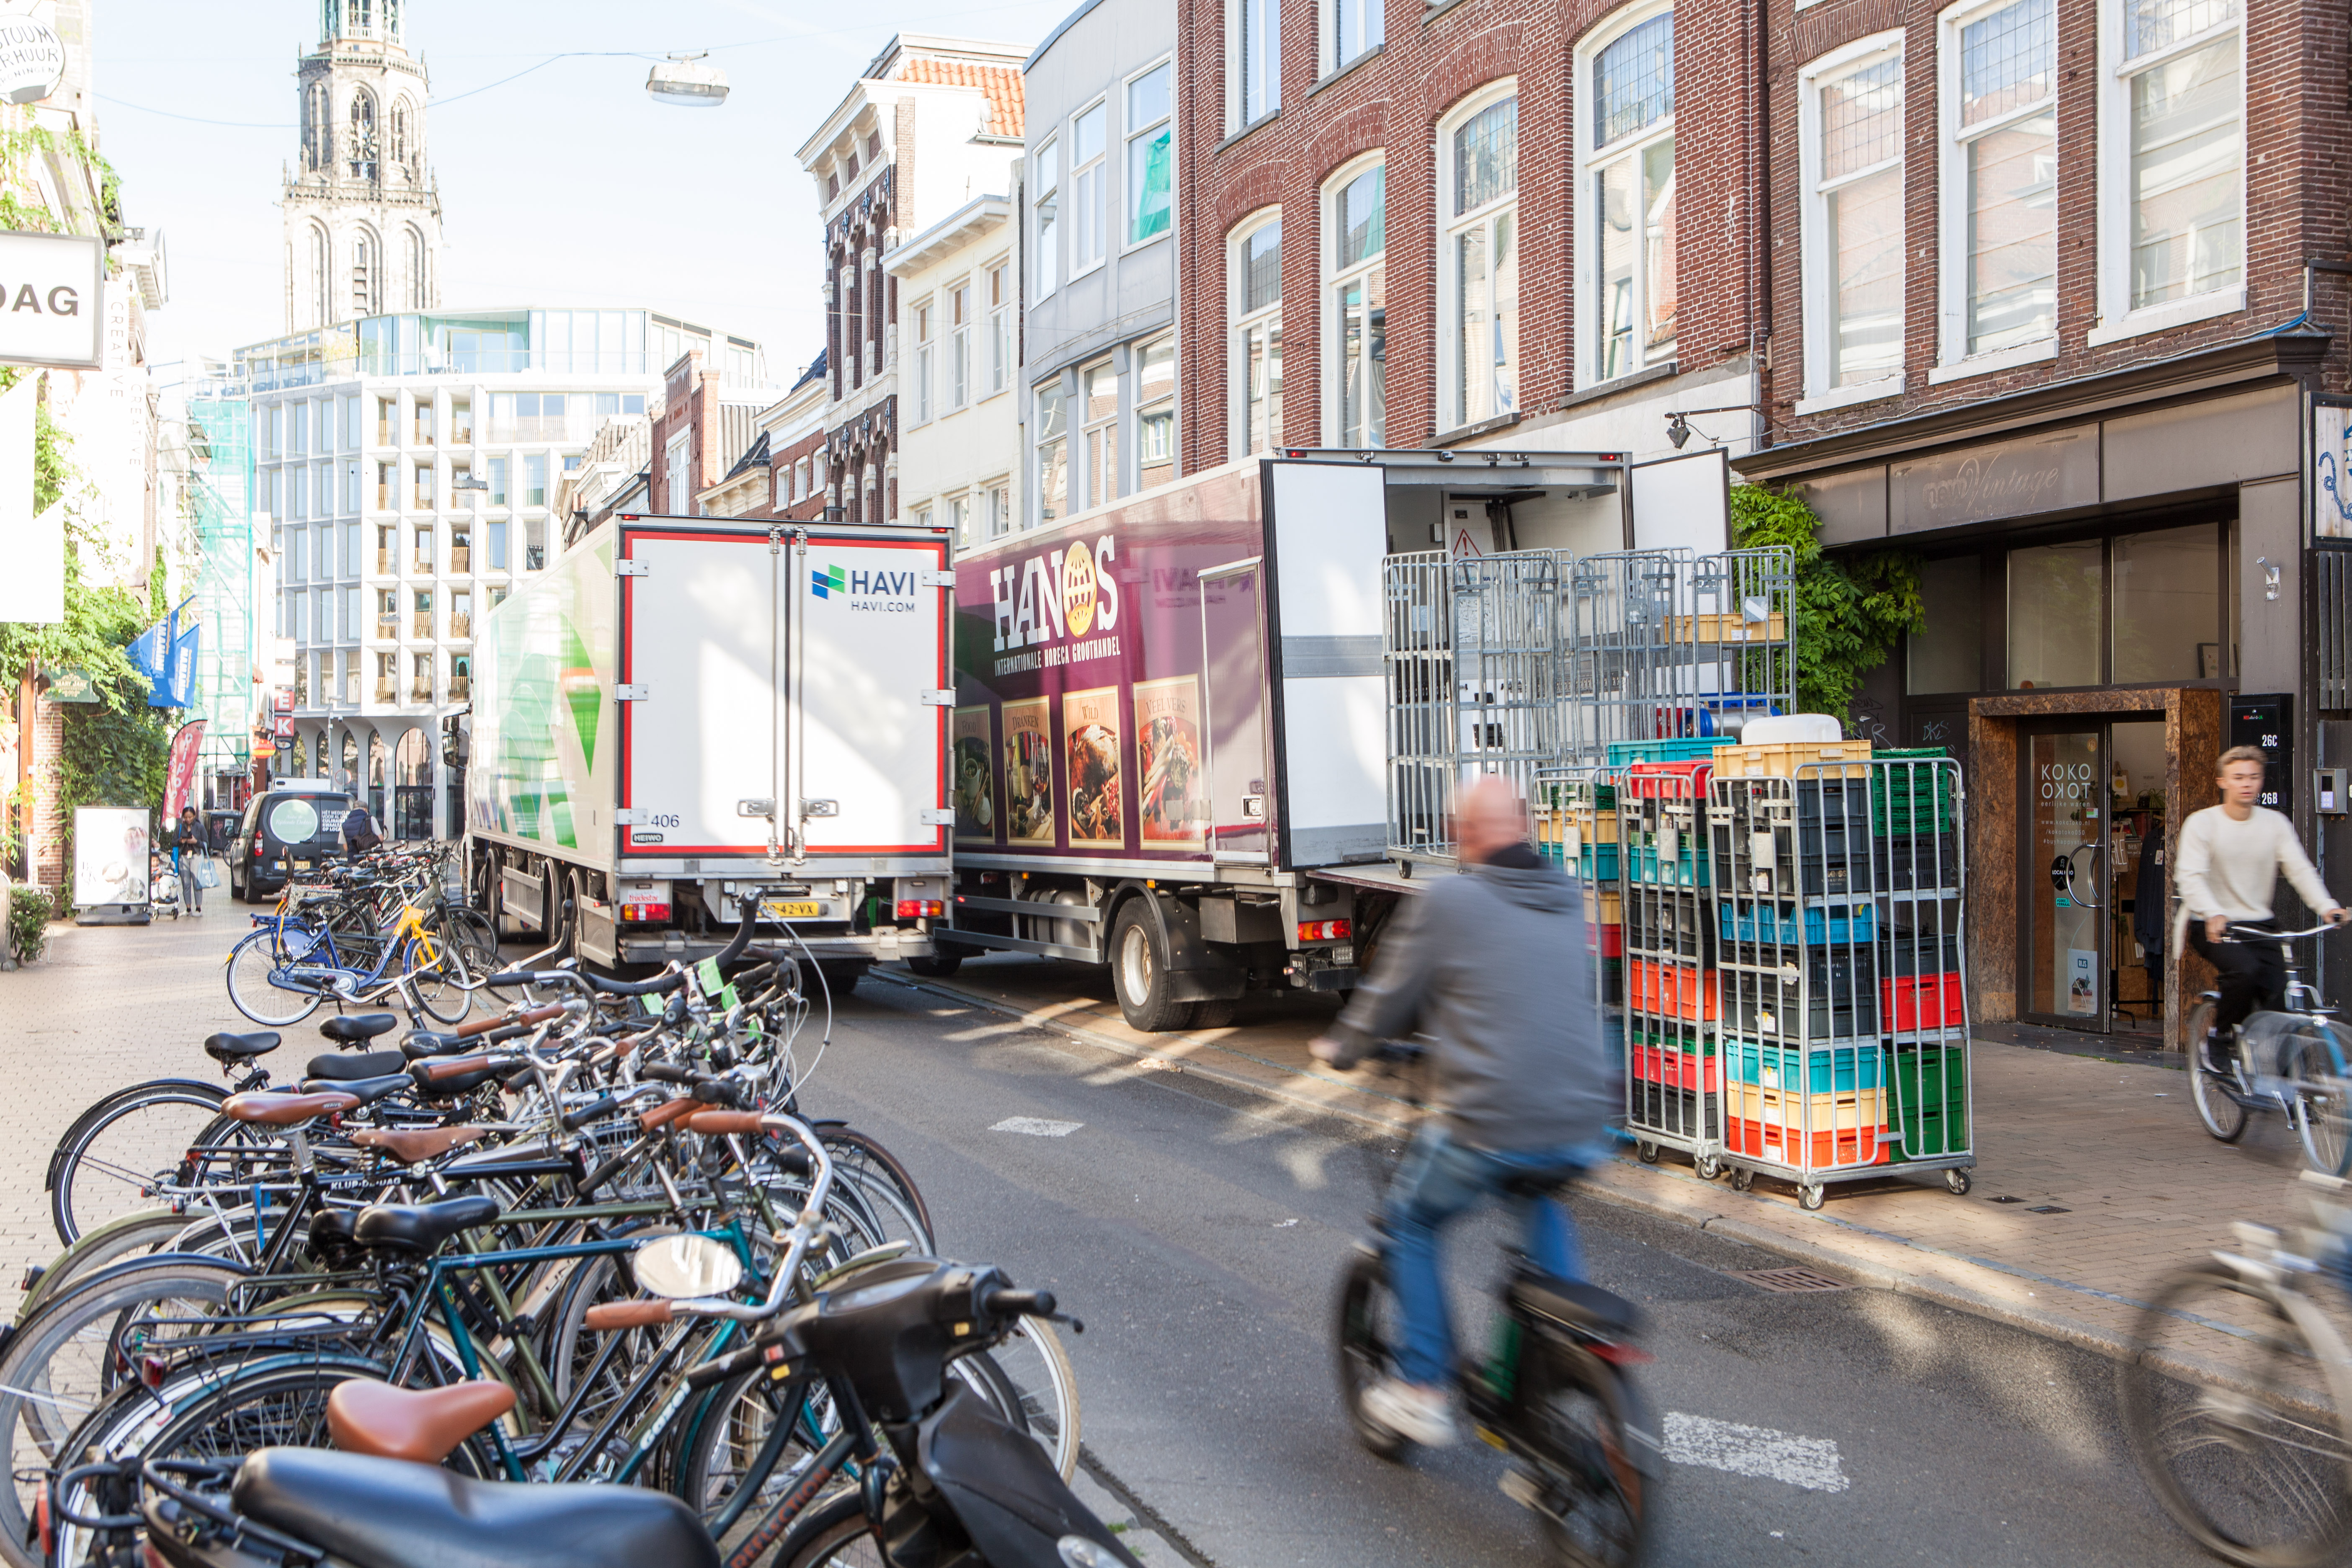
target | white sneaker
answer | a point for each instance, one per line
(1418, 1415)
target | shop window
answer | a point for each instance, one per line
(1947, 654)
(2167, 620)
(2055, 615)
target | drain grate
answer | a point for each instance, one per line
(1787, 1280)
(2049, 1208)
(2004, 1200)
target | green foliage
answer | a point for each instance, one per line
(29, 911)
(1851, 610)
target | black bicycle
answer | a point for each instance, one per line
(1557, 1394)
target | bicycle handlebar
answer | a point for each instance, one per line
(659, 985)
(2257, 933)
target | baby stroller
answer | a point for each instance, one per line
(163, 889)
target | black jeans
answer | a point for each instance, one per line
(2254, 974)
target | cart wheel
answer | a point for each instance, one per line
(1742, 1178)
(1707, 1167)
(1647, 1150)
(1957, 1180)
(1810, 1196)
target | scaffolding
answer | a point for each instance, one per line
(219, 492)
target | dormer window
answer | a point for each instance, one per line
(874, 146)
(853, 167)
(833, 185)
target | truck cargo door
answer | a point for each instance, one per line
(869, 690)
(701, 729)
(1232, 637)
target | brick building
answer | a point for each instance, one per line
(705, 425)
(928, 122)
(795, 427)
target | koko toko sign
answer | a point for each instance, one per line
(50, 300)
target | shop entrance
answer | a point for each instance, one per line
(2091, 830)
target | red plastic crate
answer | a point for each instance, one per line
(1613, 940)
(1921, 1001)
(1677, 1069)
(1667, 781)
(1681, 991)
(1769, 1141)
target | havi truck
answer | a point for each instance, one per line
(681, 710)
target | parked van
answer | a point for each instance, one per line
(298, 825)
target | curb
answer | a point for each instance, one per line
(1606, 1183)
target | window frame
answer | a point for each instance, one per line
(1815, 262)
(1040, 442)
(1131, 133)
(1485, 96)
(1045, 214)
(1244, 319)
(1238, 37)
(1099, 488)
(921, 312)
(2117, 317)
(1371, 15)
(960, 380)
(1143, 412)
(1090, 181)
(1336, 277)
(1952, 357)
(999, 274)
(1591, 349)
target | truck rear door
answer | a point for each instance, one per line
(702, 741)
(870, 693)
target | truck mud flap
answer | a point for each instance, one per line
(1196, 972)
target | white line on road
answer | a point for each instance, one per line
(1036, 1127)
(1808, 1462)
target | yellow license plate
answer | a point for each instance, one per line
(779, 909)
(301, 864)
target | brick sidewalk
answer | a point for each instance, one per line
(2117, 1146)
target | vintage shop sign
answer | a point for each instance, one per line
(1999, 480)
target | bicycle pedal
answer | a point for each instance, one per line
(1487, 1436)
(1520, 1487)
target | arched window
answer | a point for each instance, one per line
(390, 19)
(363, 157)
(1625, 142)
(400, 136)
(418, 294)
(1254, 266)
(1356, 276)
(1478, 259)
(315, 281)
(318, 129)
(365, 263)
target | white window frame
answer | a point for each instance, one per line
(1097, 488)
(1237, 39)
(921, 312)
(1244, 321)
(1590, 346)
(999, 274)
(1045, 273)
(1090, 186)
(961, 383)
(1133, 133)
(2118, 319)
(1447, 225)
(1820, 286)
(1370, 17)
(1141, 410)
(1953, 361)
(1336, 277)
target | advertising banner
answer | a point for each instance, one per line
(178, 687)
(1028, 774)
(973, 770)
(1090, 721)
(180, 771)
(110, 849)
(55, 285)
(1171, 808)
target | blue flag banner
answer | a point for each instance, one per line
(178, 687)
(151, 650)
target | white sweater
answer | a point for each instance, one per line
(2231, 868)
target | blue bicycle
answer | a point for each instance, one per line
(2292, 1061)
(280, 975)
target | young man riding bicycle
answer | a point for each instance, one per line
(2227, 870)
(1491, 965)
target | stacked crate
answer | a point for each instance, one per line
(1675, 1071)
(1575, 812)
(1916, 820)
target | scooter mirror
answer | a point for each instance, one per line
(682, 1265)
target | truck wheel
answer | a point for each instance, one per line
(1139, 972)
(936, 966)
(840, 979)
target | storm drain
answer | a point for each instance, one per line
(1787, 1280)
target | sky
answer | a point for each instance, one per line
(567, 185)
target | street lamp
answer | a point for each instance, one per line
(680, 80)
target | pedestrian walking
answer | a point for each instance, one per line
(189, 862)
(359, 831)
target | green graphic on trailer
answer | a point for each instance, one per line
(539, 701)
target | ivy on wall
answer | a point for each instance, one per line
(1851, 610)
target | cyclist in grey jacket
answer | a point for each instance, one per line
(1491, 965)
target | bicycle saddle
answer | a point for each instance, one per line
(341, 1066)
(410, 1145)
(366, 1090)
(1578, 1306)
(422, 1425)
(390, 1514)
(278, 1109)
(227, 1048)
(422, 1042)
(418, 1228)
(358, 1028)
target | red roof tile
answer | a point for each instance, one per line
(1000, 83)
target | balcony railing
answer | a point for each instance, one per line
(421, 624)
(387, 690)
(421, 691)
(461, 559)
(387, 564)
(387, 628)
(461, 624)
(461, 687)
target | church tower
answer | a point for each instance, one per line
(362, 213)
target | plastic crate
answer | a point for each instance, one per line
(1783, 759)
(1770, 1124)
(1709, 630)
(1612, 982)
(1911, 800)
(1815, 925)
(1919, 953)
(1695, 749)
(1612, 943)
(1604, 906)
(1657, 1061)
(1686, 869)
(1837, 998)
(1672, 990)
(1912, 1002)
(1672, 923)
(1597, 862)
(1672, 1112)
(1832, 1069)
(1683, 780)
(1918, 862)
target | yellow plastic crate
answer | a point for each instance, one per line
(1782, 759)
(1730, 629)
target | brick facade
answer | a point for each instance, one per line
(859, 351)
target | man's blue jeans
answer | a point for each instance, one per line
(1440, 1178)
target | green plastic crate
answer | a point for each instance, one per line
(1931, 1106)
(1899, 800)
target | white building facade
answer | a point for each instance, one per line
(409, 466)
(959, 332)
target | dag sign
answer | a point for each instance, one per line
(50, 291)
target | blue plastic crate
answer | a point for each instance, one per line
(1597, 862)
(1694, 749)
(1831, 1070)
(1687, 870)
(1744, 921)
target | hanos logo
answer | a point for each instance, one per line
(893, 592)
(1069, 591)
(1078, 590)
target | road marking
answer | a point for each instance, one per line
(1036, 1127)
(1808, 1462)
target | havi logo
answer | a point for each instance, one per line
(832, 580)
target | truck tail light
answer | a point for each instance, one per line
(917, 908)
(1324, 930)
(643, 913)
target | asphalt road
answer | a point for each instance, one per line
(1199, 1233)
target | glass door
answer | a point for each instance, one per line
(2066, 875)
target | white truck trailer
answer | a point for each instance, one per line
(679, 710)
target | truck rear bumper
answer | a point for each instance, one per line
(662, 946)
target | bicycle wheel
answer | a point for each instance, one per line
(1029, 1379)
(724, 1445)
(250, 969)
(1370, 1325)
(2315, 1062)
(124, 1149)
(2257, 1469)
(889, 1189)
(1591, 1477)
(2221, 1112)
(832, 1535)
(443, 986)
